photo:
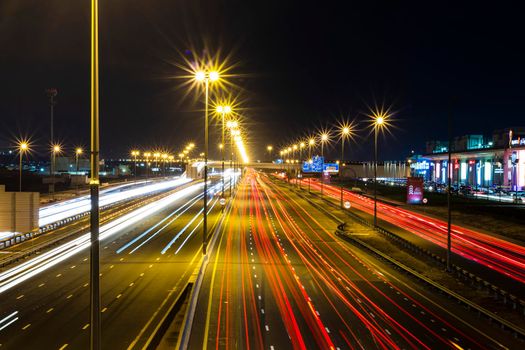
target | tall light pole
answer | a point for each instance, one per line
(135, 154)
(302, 145)
(311, 143)
(206, 78)
(345, 133)
(156, 156)
(78, 153)
(23, 147)
(324, 139)
(379, 121)
(289, 151)
(231, 125)
(146, 156)
(223, 110)
(94, 184)
(269, 148)
(164, 157)
(294, 149)
(54, 151)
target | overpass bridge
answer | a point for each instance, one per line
(388, 169)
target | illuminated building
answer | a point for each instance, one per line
(497, 161)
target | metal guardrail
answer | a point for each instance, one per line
(516, 330)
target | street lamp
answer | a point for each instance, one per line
(135, 154)
(205, 77)
(146, 156)
(156, 156)
(223, 110)
(346, 132)
(379, 122)
(164, 157)
(54, 151)
(78, 153)
(23, 147)
(302, 145)
(269, 148)
(324, 139)
(232, 125)
(311, 143)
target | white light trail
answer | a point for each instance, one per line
(34, 266)
(60, 211)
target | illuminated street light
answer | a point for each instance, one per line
(206, 77)
(380, 120)
(146, 157)
(346, 130)
(55, 149)
(23, 147)
(78, 153)
(135, 154)
(223, 110)
(269, 148)
(311, 144)
(325, 137)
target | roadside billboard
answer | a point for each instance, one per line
(331, 167)
(414, 190)
(316, 166)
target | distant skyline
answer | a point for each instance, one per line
(302, 65)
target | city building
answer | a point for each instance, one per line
(477, 161)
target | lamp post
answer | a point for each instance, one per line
(164, 157)
(171, 161)
(146, 156)
(206, 77)
(345, 133)
(302, 145)
(324, 139)
(294, 149)
(135, 154)
(311, 143)
(156, 156)
(23, 147)
(78, 153)
(379, 121)
(269, 148)
(94, 184)
(289, 151)
(231, 125)
(223, 110)
(54, 151)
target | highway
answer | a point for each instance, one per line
(279, 278)
(147, 257)
(496, 254)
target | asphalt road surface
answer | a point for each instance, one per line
(146, 259)
(279, 278)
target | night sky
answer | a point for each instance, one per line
(303, 65)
